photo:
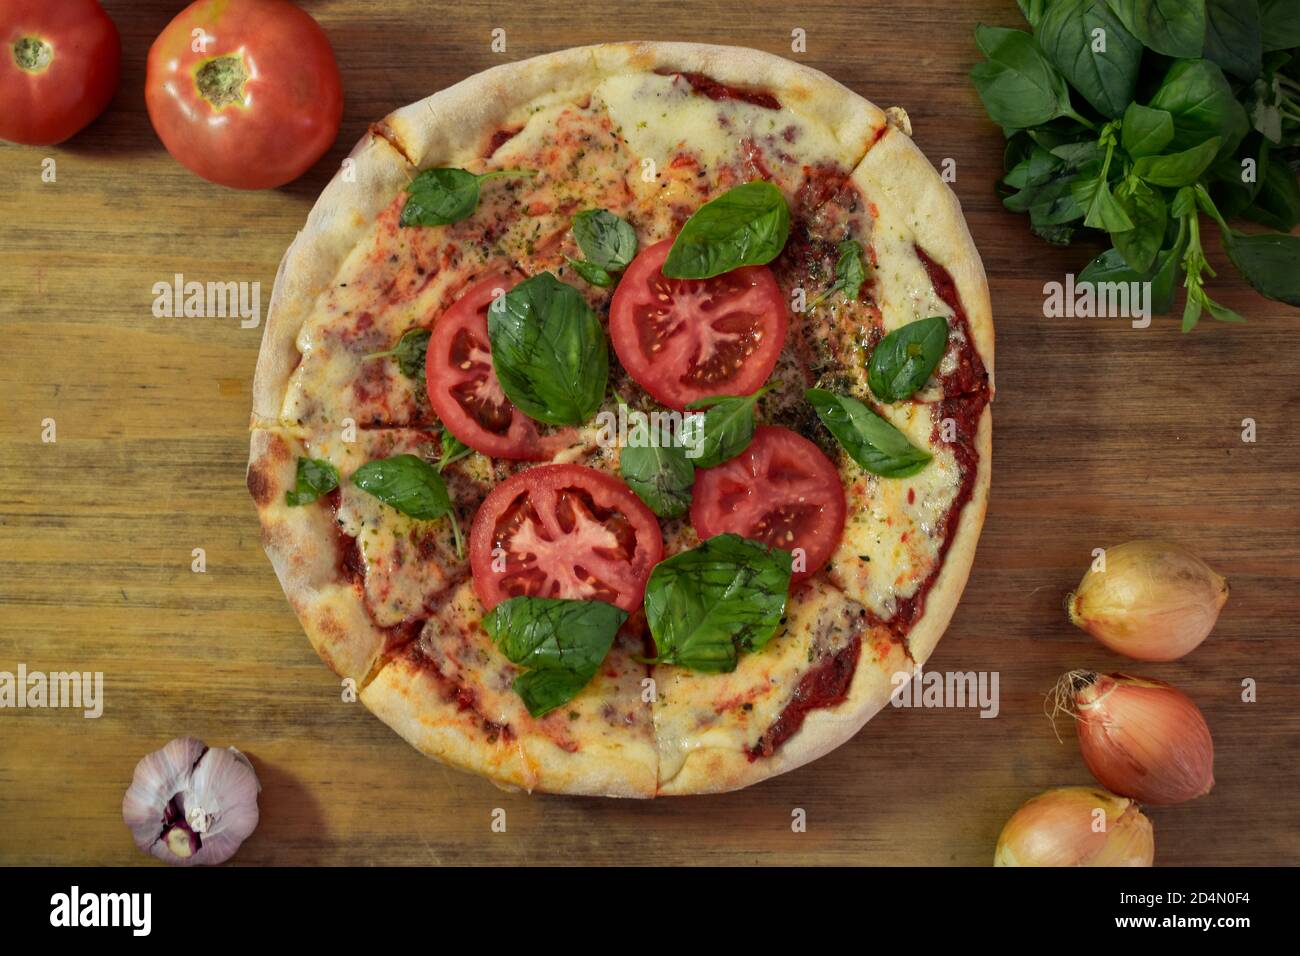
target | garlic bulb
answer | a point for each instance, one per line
(1141, 738)
(1076, 826)
(188, 804)
(1155, 600)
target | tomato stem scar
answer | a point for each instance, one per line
(221, 80)
(33, 54)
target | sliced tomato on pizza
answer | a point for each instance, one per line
(782, 491)
(463, 387)
(687, 339)
(564, 531)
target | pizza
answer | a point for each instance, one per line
(621, 424)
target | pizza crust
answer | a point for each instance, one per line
(825, 729)
(855, 119)
(906, 188)
(451, 128)
(303, 546)
(406, 696)
(373, 173)
(898, 178)
(453, 124)
(895, 175)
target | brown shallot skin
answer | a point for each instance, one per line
(1154, 601)
(1143, 738)
(1059, 828)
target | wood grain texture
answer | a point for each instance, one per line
(1102, 433)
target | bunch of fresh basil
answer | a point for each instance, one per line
(1134, 116)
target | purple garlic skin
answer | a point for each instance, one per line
(189, 804)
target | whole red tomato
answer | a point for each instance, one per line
(58, 69)
(246, 93)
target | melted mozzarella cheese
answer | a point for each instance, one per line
(400, 277)
(690, 148)
(902, 288)
(407, 562)
(606, 714)
(697, 711)
(893, 533)
(661, 116)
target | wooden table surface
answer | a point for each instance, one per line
(1102, 433)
